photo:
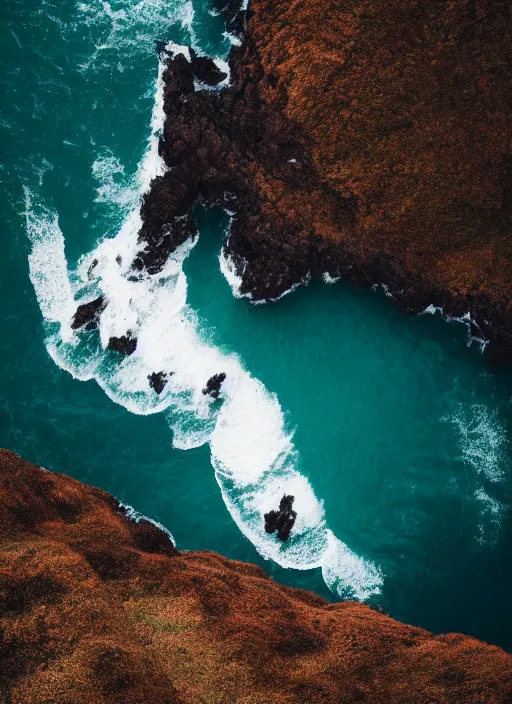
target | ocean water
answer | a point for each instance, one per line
(389, 431)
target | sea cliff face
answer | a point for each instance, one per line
(370, 142)
(96, 606)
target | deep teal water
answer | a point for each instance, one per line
(400, 429)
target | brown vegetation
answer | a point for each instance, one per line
(97, 608)
(370, 139)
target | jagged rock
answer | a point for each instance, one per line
(213, 385)
(231, 11)
(91, 268)
(126, 344)
(161, 46)
(88, 314)
(158, 380)
(165, 238)
(205, 69)
(282, 520)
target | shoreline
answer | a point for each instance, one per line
(238, 148)
(98, 603)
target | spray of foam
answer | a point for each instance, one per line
(482, 440)
(128, 26)
(252, 451)
(115, 188)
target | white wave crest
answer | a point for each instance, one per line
(252, 450)
(48, 266)
(465, 320)
(348, 574)
(137, 517)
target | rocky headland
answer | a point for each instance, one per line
(367, 140)
(98, 606)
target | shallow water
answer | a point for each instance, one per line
(390, 431)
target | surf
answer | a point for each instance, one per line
(252, 449)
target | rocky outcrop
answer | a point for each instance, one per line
(372, 143)
(213, 385)
(158, 381)
(282, 520)
(97, 607)
(88, 314)
(125, 345)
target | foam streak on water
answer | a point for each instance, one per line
(252, 451)
(482, 440)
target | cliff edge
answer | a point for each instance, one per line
(97, 606)
(370, 140)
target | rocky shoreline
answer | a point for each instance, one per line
(97, 606)
(372, 145)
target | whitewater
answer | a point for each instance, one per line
(251, 443)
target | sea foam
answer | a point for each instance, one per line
(252, 450)
(482, 441)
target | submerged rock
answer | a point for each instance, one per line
(126, 344)
(99, 608)
(282, 520)
(88, 314)
(158, 380)
(213, 385)
(91, 268)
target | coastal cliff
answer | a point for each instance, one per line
(98, 606)
(368, 140)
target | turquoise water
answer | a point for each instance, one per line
(393, 433)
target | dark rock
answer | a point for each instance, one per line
(205, 69)
(232, 13)
(213, 385)
(393, 214)
(158, 380)
(88, 314)
(161, 46)
(94, 263)
(498, 354)
(119, 259)
(166, 227)
(282, 520)
(126, 344)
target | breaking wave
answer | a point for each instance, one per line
(252, 450)
(132, 25)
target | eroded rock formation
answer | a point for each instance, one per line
(281, 520)
(158, 381)
(98, 608)
(88, 314)
(213, 385)
(370, 141)
(125, 345)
